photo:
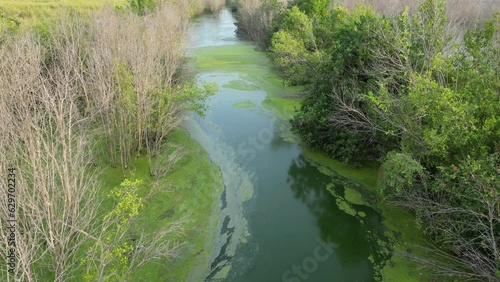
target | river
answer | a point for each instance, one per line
(283, 217)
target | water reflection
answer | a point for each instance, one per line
(357, 229)
(214, 30)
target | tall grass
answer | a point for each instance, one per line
(34, 10)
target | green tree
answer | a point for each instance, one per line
(398, 172)
(108, 259)
(314, 8)
(337, 85)
(294, 49)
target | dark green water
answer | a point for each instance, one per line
(278, 220)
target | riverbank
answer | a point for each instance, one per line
(191, 190)
(428, 115)
(140, 192)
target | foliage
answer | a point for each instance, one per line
(113, 250)
(398, 172)
(299, 26)
(128, 202)
(125, 114)
(8, 27)
(344, 40)
(294, 48)
(427, 35)
(398, 89)
(314, 8)
(142, 7)
(192, 96)
(462, 210)
(290, 57)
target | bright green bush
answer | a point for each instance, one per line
(398, 172)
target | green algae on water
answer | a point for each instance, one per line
(365, 175)
(243, 59)
(342, 203)
(353, 196)
(244, 104)
(285, 131)
(345, 206)
(241, 85)
(284, 108)
(396, 220)
(239, 188)
(221, 274)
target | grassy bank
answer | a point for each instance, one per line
(34, 10)
(191, 190)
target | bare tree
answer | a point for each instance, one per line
(470, 231)
(256, 18)
(56, 101)
(48, 136)
(134, 65)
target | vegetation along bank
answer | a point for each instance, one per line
(414, 88)
(108, 187)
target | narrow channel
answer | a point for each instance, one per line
(283, 217)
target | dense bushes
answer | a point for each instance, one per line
(398, 89)
(340, 78)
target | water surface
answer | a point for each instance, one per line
(283, 217)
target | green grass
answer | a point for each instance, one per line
(197, 187)
(32, 11)
(191, 189)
